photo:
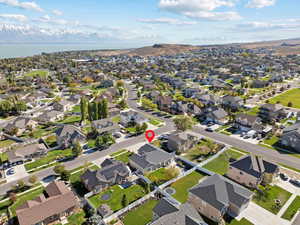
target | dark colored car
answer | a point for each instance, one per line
(295, 182)
(208, 129)
(283, 176)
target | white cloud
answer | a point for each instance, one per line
(50, 20)
(57, 12)
(170, 21)
(200, 9)
(260, 3)
(193, 5)
(18, 17)
(22, 5)
(266, 26)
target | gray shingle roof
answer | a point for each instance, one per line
(220, 192)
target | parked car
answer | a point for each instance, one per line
(295, 182)
(163, 137)
(208, 129)
(11, 171)
(283, 176)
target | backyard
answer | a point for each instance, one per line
(142, 215)
(220, 165)
(292, 96)
(116, 194)
(182, 185)
(37, 73)
(268, 197)
(163, 175)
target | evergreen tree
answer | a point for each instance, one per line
(83, 108)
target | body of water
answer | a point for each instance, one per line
(23, 50)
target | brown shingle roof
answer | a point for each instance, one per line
(59, 199)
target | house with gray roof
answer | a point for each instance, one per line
(20, 125)
(233, 102)
(63, 105)
(216, 196)
(291, 137)
(252, 170)
(150, 158)
(244, 123)
(50, 116)
(181, 142)
(217, 116)
(67, 135)
(105, 126)
(272, 112)
(167, 212)
(26, 152)
(130, 118)
(112, 172)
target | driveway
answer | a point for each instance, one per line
(20, 172)
(259, 216)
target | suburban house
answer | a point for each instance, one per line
(291, 137)
(166, 212)
(209, 99)
(63, 105)
(105, 126)
(181, 142)
(216, 196)
(259, 83)
(27, 152)
(244, 123)
(67, 135)
(150, 158)
(50, 116)
(233, 102)
(131, 118)
(272, 112)
(217, 116)
(164, 103)
(19, 125)
(55, 204)
(112, 172)
(252, 170)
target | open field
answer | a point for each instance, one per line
(292, 96)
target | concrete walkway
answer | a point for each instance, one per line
(286, 205)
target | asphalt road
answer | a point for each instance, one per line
(269, 154)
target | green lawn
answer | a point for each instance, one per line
(39, 73)
(220, 165)
(6, 143)
(133, 193)
(51, 141)
(162, 175)
(118, 152)
(184, 184)
(142, 215)
(272, 193)
(4, 206)
(91, 143)
(292, 209)
(271, 141)
(77, 218)
(116, 119)
(71, 119)
(76, 109)
(241, 222)
(50, 157)
(254, 111)
(292, 96)
(154, 122)
(3, 157)
(124, 157)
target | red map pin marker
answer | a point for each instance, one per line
(150, 135)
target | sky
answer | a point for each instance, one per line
(141, 22)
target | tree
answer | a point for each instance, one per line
(65, 175)
(90, 111)
(290, 104)
(83, 108)
(58, 169)
(104, 140)
(122, 104)
(103, 109)
(124, 201)
(144, 127)
(77, 149)
(148, 104)
(94, 220)
(120, 84)
(32, 179)
(183, 123)
(13, 197)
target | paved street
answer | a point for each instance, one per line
(269, 154)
